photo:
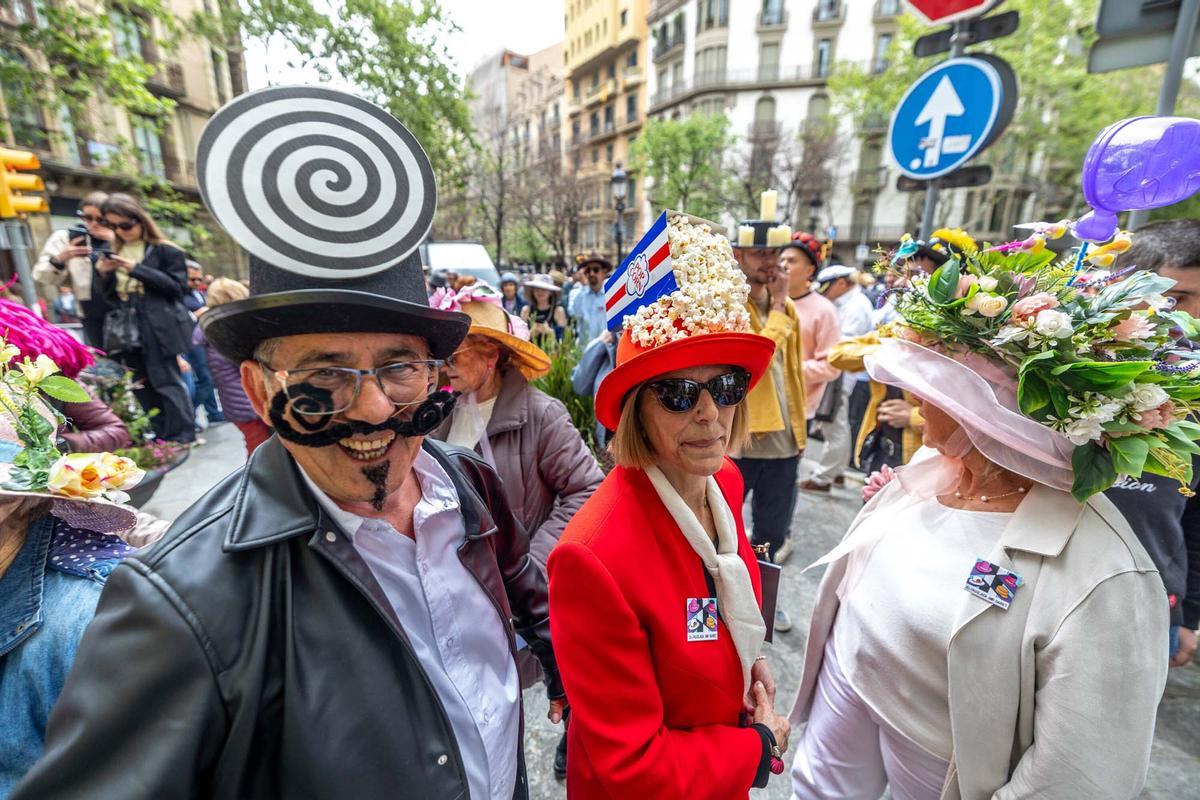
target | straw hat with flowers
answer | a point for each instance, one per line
(482, 304)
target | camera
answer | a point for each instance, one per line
(100, 249)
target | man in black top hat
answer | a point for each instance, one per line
(335, 619)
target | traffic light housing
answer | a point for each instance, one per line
(14, 180)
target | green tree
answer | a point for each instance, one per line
(392, 51)
(1061, 107)
(686, 160)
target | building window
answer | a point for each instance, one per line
(824, 57)
(768, 61)
(595, 79)
(127, 35)
(888, 8)
(612, 69)
(609, 119)
(624, 17)
(712, 14)
(575, 89)
(608, 152)
(149, 146)
(882, 44)
(818, 107)
(631, 59)
(595, 155)
(631, 113)
(70, 138)
(23, 113)
(220, 68)
(764, 110)
(828, 9)
(710, 65)
(595, 123)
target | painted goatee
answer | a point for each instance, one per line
(378, 475)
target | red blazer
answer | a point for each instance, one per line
(653, 716)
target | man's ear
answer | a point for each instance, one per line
(254, 383)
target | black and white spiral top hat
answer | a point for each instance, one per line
(330, 195)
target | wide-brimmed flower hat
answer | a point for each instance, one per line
(87, 489)
(482, 304)
(678, 301)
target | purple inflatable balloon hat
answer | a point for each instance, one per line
(1138, 163)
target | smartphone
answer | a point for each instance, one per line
(79, 232)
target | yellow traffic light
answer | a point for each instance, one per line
(12, 182)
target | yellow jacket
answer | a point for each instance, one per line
(848, 355)
(784, 330)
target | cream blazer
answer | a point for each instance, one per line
(1056, 697)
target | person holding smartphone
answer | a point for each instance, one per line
(149, 273)
(64, 261)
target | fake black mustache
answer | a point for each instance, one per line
(424, 419)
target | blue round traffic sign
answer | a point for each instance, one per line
(951, 113)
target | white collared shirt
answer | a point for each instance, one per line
(454, 627)
(856, 317)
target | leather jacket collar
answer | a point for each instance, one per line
(272, 503)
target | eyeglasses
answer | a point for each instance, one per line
(324, 391)
(124, 226)
(678, 395)
(452, 359)
(89, 218)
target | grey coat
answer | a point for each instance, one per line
(547, 470)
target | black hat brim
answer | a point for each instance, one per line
(236, 329)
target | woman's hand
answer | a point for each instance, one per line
(557, 707)
(760, 673)
(897, 413)
(764, 712)
(77, 249)
(877, 481)
(123, 264)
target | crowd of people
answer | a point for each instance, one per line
(420, 533)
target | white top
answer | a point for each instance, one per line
(469, 422)
(902, 608)
(458, 635)
(856, 317)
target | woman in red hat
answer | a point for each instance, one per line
(654, 587)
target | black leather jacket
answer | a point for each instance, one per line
(250, 655)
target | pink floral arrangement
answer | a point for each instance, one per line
(33, 336)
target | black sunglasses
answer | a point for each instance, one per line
(678, 395)
(89, 218)
(125, 226)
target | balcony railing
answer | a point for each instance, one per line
(741, 79)
(167, 79)
(600, 91)
(772, 17)
(668, 45)
(828, 12)
(868, 181)
(632, 76)
(886, 9)
(761, 129)
(874, 123)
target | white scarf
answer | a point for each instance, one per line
(737, 606)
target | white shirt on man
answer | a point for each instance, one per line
(453, 625)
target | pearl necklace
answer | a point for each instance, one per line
(986, 498)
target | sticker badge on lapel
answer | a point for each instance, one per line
(701, 619)
(993, 583)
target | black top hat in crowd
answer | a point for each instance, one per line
(330, 196)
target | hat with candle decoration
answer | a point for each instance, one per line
(763, 232)
(677, 301)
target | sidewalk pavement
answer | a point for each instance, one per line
(819, 523)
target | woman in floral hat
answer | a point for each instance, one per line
(654, 587)
(57, 517)
(545, 315)
(990, 626)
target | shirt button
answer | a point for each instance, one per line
(330, 536)
(442, 759)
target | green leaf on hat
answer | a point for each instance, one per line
(1129, 454)
(1101, 376)
(1033, 393)
(63, 388)
(1094, 471)
(943, 284)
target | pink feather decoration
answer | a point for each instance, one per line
(33, 336)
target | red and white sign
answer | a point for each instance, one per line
(936, 12)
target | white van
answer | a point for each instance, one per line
(465, 258)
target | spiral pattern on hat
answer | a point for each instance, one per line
(316, 181)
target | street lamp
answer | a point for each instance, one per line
(620, 188)
(814, 211)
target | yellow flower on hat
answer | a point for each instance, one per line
(37, 371)
(8, 353)
(77, 475)
(957, 238)
(119, 472)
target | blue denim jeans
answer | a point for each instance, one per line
(1174, 640)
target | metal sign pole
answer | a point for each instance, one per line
(18, 238)
(1181, 46)
(958, 46)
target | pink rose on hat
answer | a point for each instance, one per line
(1026, 310)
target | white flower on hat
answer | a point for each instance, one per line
(1146, 396)
(1054, 324)
(1082, 431)
(984, 304)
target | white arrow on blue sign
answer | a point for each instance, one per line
(952, 112)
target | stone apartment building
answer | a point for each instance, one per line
(605, 54)
(75, 150)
